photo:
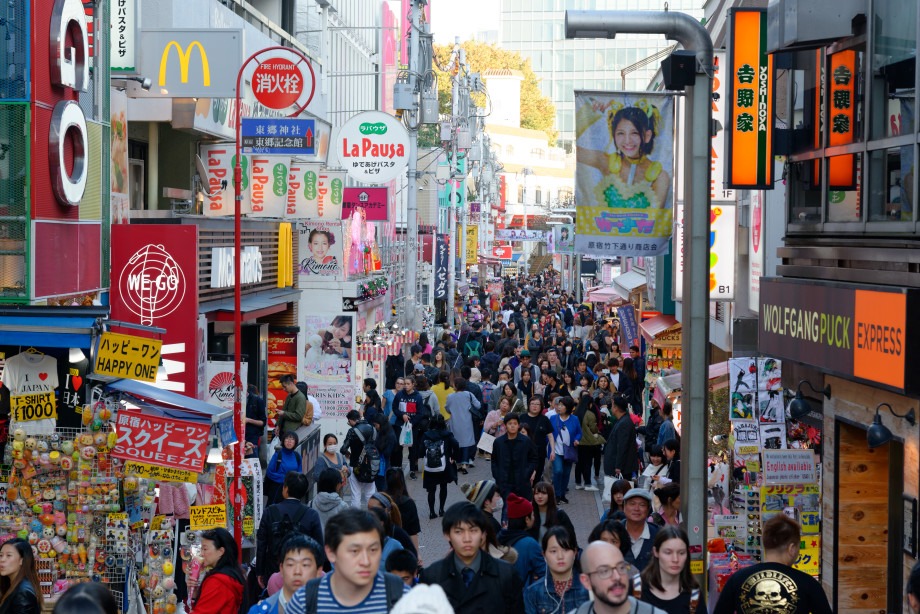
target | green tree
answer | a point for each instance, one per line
(537, 111)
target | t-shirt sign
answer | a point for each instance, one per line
(177, 444)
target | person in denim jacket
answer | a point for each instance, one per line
(560, 590)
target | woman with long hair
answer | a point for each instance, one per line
(560, 590)
(618, 490)
(669, 512)
(424, 343)
(526, 387)
(570, 383)
(286, 458)
(546, 513)
(591, 443)
(86, 598)
(19, 585)
(602, 387)
(509, 391)
(408, 511)
(223, 589)
(671, 449)
(655, 470)
(386, 443)
(439, 359)
(567, 436)
(635, 399)
(666, 582)
(443, 470)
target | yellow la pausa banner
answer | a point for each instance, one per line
(203, 517)
(128, 357)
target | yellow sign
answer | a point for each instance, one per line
(285, 256)
(156, 522)
(472, 244)
(752, 466)
(161, 474)
(249, 525)
(207, 517)
(34, 406)
(743, 450)
(696, 567)
(184, 57)
(125, 356)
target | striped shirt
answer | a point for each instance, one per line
(326, 603)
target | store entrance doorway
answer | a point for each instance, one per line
(868, 480)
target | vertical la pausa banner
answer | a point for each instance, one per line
(624, 152)
(321, 244)
(328, 360)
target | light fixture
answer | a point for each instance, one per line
(719, 438)
(76, 355)
(879, 434)
(799, 407)
(215, 454)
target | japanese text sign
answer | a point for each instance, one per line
(278, 136)
(159, 474)
(33, 406)
(750, 121)
(842, 169)
(373, 200)
(373, 147)
(628, 325)
(441, 259)
(129, 357)
(123, 35)
(203, 517)
(277, 83)
(165, 442)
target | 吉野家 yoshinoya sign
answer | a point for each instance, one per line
(373, 147)
(126, 356)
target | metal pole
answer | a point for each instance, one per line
(463, 213)
(238, 326)
(412, 200)
(694, 381)
(451, 203)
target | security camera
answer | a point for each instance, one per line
(719, 438)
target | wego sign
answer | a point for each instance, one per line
(69, 69)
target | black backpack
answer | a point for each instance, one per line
(395, 589)
(279, 529)
(369, 461)
(434, 454)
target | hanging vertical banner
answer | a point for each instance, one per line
(472, 244)
(628, 325)
(330, 191)
(564, 235)
(321, 246)
(718, 191)
(842, 169)
(623, 173)
(328, 367)
(218, 161)
(123, 20)
(269, 191)
(750, 125)
(441, 256)
(755, 250)
(282, 360)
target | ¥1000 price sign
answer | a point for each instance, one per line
(34, 406)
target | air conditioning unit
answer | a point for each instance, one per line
(809, 24)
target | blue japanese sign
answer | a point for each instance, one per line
(628, 324)
(282, 136)
(227, 432)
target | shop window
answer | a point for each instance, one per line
(539, 196)
(805, 80)
(804, 189)
(894, 62)
(891, 184)
(844, 189)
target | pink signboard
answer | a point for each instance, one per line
(372, 200)
(389, 48)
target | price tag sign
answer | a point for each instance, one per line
(749, 449)
(203, 517)
(160, 474)
(34, 406)
(128, 357)
(753, 466)
(249, 525)
(696, 567)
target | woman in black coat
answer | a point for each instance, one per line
(386, 442)
(18, 579)
(437, 437)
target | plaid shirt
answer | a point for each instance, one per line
(487, 388)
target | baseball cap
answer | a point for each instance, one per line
(637, 492)
(420, 368)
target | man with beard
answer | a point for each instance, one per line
(607, 575)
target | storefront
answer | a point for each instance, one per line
(860, 341)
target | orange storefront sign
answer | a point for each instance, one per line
(879, 343)
(841, 105)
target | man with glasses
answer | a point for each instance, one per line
(607, 574)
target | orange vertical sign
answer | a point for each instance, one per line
(841, 105)
(750, 129)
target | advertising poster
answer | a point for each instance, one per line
(472, 244)
(441, 259)
(742, 374)
(564, 238)
(623, 174)
(218, 161)
(508, 234)
(220, 382)
(321, 244)
(269, 191)
(628, 325)
(747, 441)
(118, 164)
(282, 360)
(327, 365)
(165, 442)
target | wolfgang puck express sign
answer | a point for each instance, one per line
(843, 329)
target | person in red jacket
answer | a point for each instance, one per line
(223, 590)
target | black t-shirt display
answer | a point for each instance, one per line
(772, 588)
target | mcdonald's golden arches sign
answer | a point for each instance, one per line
(185, 63)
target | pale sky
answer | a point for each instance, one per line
(451, 18)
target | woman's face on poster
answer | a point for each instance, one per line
(319, 246)
(629, 140)
(342, 331)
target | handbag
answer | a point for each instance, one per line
(569, 453)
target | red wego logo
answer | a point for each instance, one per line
(277, 83)
(152, 284)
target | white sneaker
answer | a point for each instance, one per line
(578, 487)
(592, 488)
(470, 464)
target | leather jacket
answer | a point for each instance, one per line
(22, 601)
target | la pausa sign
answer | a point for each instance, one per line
(842, 329)
(373, 147)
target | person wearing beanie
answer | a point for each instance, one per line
(484, 494)
(530, 563)
(473, 580)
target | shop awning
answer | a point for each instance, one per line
(179, 405)
(252, 305)
(655, 326)
(52, 327)
(484, 259)
(605, 295)
(629, 282)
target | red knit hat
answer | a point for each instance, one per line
(518, 507)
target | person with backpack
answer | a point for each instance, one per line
(286, 459)
(357, 584)
(282, 520)
(473, 580)
(426, 410)
(441, 451)
(465, 412)
(301, 560)
(363, 457)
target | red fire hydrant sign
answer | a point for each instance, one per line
(278, 83)
(165, 442)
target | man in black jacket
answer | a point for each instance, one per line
(514, 460)
(293, 490)
(352, 448)
(473, 581)
(620, 456)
